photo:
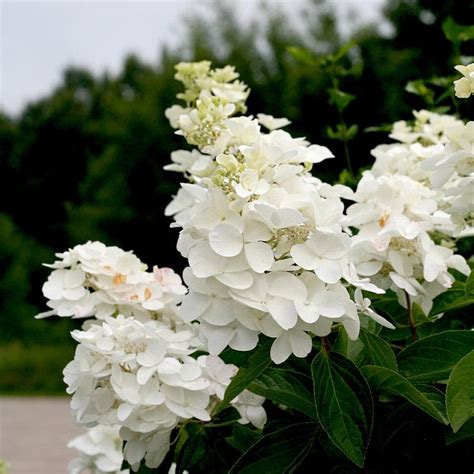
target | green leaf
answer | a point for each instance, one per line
(303, 55)
(419, 88)
(340, 99)
(191, 453)
(452, 299)
(378, 350)
(344, 404)
(279, 452)
(243, 437)
(466, 432)
(348, 348)
(460, 392)
(343, 50)
(285, 387)
(469, 287)
(258, 362)
(432, 358)
(390, 382)
(457, 33)
(352, 132)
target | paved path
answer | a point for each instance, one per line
(34, 433)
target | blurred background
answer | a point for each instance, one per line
(83, 137)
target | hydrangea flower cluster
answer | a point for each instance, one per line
(100, 451)
(418, 188)
(264, 239)
(133, 369)
(393, 215)
(97, 280)
(141, 377)
(437, 152)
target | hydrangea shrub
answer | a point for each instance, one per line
(297, 329)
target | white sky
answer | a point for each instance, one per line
(39, 38)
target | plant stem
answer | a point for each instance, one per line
(326, 345)
(411, 322)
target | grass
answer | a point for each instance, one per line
(33, 369)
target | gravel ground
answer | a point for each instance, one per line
(34, 433)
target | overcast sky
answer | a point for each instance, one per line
(38, 38)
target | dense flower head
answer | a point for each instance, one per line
(141, 377)
(97, 280)
(437, 152)
(100, 451)
(264, 239)
(394, 216)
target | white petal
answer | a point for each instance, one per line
(226, 240)
(304, 257)
(281, 349)
(308, 313)
(244, 339)
(318, 153)
(433, 265)
(283, 312)
(73, 278)
(259, 256)
(219, 339)
(286, 285)
(287, 217)
(301, 343)
(236, 280)
(256, 230)
(204, 261)
(194, 305)
(352, 327)
(153, 354)
(220, 312)
(403, 283)
(330, 271)
(329, 245)
(330, 304)
(124, 410)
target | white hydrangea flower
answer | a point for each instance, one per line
(96, 280)
(464, 87)
(393, 215)
(100, 451)
(251, 227)
(142, 378)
